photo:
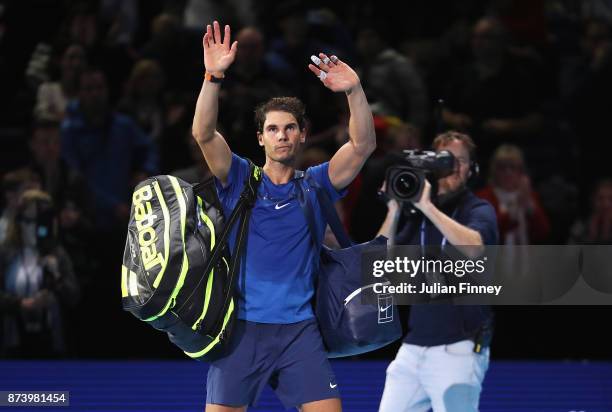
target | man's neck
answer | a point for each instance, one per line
(279, 173)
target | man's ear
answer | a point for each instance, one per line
(303, 136)
(260, 138)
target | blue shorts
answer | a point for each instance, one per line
(290, 358)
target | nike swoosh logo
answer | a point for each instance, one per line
(332, 386)
(280, 206)
(385, 308)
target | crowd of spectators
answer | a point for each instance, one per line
(97, 95)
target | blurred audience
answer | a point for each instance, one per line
(391, 80)
(107, 148)
(178, 54)
(53, 96)
(587, 83)
(494, 95)
(68, 189)
(198, 171)
(143, 100)
(249, 82)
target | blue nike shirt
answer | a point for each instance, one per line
(276, 283)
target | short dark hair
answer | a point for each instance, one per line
(446, 138)
(291, 105)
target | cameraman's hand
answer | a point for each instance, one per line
(424, 202)
(393, 206)
(41, 300)
(218, 55)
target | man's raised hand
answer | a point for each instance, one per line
(335, 74)
(218, 55)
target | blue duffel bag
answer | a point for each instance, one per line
(348, 325)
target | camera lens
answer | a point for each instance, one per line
(405, 184)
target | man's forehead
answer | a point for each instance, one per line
(456, 147)
(279, 117)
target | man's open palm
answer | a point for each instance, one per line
(335, 74)
(218, 55)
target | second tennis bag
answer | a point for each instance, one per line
(178, 274)
(348, 326)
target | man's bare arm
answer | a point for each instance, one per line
(349, 159)
(218, 56)
(466, 239)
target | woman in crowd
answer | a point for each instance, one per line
(520, 216)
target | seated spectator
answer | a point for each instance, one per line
(143, 100)
(107, 148)
(36, 281)
(597, 227)
(520, 216)
(390, 80)
(53, 97)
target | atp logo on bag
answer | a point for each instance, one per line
(385, 308)
(145, 218)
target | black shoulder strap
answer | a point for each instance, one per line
(244, 207)
(241, 211)
(329, 211)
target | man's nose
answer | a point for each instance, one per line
(282, 136)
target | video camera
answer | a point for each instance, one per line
(45, 227)
(406, 179)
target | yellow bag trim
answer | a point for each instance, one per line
(166, 214)
(185, 267)
(218, 337)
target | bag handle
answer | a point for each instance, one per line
(329, 211)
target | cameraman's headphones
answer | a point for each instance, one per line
(474, 169)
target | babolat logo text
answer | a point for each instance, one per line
(143, 214)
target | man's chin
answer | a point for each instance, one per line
(286, 159)
(449, 188)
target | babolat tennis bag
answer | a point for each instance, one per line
(178, 274)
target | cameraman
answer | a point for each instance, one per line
(438, 365)
(36, 282)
